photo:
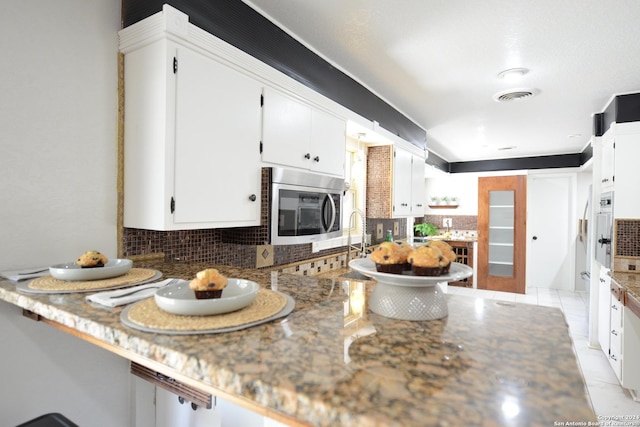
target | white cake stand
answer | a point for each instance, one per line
(409, 297)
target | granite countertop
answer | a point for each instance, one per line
(629, 281)
(452, 238)
(488, 363)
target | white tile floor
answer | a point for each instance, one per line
(607, 396)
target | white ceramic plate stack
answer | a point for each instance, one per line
(409, 297)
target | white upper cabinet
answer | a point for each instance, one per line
(402, 180)
(620, 152)
(297, 135)
(608, 159)
(192, 132)
(217, 170)
(409, 196)
(626, 203)
(418, 187)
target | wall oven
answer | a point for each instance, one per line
(305, 207)
(604, 230)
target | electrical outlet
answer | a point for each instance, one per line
(379, 231)
(447, 222)
(396, 228)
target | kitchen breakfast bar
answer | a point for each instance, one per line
(333, 362)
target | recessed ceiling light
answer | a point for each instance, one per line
(512, 74)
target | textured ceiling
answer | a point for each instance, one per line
(437, 62)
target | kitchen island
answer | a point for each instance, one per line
(332, 362)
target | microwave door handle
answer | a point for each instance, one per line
(333, 212)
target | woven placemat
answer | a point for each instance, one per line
(49, 283)
(147, 314)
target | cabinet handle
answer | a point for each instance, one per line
(307, 156)
(253, 197)
(316, 159)
(614, 332)
(613, 357)
(615, 307)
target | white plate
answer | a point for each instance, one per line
(23, 287)
(288, 308)
(73, 272)
(367, 267)
(180, 299)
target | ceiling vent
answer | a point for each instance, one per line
(514, 95)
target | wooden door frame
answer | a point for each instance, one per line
(517, 283)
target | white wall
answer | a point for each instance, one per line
(58, 129)
(584, 183)
(58, 107)
(464, 186)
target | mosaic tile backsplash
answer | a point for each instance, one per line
(627, 245)
(628, 237)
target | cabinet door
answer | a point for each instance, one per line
(626, 153)
(286, 132)
(615, 338)
(418, 191)
(217, 171)
(630, 349)
(148, 181)
(328, 143)
(402, 179)
(607, 170)
(604, 311)
(502, 233)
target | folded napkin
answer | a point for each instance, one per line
(25, 273)
(113, 298)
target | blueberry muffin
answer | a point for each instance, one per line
(447, 252)
(426, 261)
(208, 284)
(92, 259)
(405, 249)
(389, 258)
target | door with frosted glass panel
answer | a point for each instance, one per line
(502, 233)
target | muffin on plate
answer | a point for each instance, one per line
(92, 259)
(447, 252)
(426, 261)
(405, 249)
(208, 284)
(389, 258)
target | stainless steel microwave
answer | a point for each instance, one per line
(305, 206)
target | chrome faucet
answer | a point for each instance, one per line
(363, 243)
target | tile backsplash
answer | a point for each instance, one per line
(627, 245)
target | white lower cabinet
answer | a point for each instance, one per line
(615, 338)
(191, 141)
(619, 333)
(630, 351)
(604, 310)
